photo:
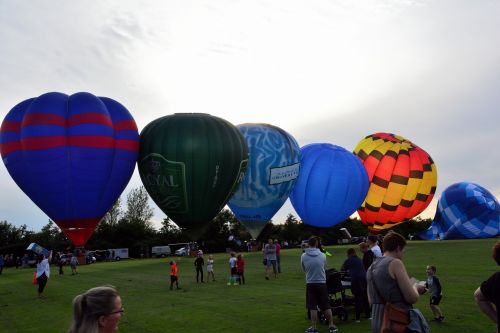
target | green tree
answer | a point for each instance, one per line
(138, 209)
(113, 215)
(291, 229)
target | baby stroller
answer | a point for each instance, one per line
(336, 293)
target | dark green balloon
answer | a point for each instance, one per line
(191, 164)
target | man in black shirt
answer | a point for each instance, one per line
(489, 292)
(198, 263)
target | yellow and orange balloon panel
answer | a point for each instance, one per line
(403, 180)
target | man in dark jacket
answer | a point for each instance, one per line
(354, 265)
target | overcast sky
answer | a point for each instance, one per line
(325, 71)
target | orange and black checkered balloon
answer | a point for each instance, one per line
(403, 179)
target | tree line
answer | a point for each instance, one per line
(132, 228)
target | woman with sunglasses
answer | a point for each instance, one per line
(97, 311)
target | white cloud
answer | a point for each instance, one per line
(325, 71)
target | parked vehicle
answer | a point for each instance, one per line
(90, 257)
(348, 239)
(161, 251)
(183, 251)
(119, 254)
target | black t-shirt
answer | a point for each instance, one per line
(199, 262)
(491, 290)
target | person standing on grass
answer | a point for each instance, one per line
(487, 296)
(433, 285)
(173, 275)
(313, 263)
(2, 263)
(240, 268)
(42, 272)
(210, 268)
(354, 265)
(73, 263)
(278, 254)
(98, 310)
(388, 281)
(198, 264)
(269, 252)
(233, 270)
(373, 244)
(368, 255)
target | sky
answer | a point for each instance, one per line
(324, 71)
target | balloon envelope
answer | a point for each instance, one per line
(465, 210)
(332, 184)
(191, 164)
(72, 155)
(403, 179)
(273, 166)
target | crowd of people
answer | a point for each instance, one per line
(377, 278)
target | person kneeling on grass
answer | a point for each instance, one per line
(313, 263)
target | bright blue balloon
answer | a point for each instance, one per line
(72, 155)
(272, 169)
(465, 210)
(332, 184)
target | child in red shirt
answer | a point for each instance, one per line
(173, 275)
(240, 268)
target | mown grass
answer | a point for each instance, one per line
(259, 306)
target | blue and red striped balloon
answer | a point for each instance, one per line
(72, 155)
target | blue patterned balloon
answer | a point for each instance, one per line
(273, 167)
(332, 184)
(465, 210)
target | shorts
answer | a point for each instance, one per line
(435, 300)
(173, 278)
(317, 296)
(271, 263)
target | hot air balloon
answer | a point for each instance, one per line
(332, 184)
(402, 177)
(272, 169)
(190, 164)
(465, 210)
(72, 155)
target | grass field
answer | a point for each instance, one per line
(259, 306)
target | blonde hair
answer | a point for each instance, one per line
(89, 306)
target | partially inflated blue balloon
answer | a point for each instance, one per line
(332, 184)
(465, 210)
(273, 167)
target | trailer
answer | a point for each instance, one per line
(161, 251)
(118, 254)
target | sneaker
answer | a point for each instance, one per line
(441, 318)
(332, 329)
(312, 330)
(357, 321)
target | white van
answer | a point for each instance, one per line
(161, 251)
(118, 254)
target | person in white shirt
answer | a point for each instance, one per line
(372, 242)
(42, 272)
